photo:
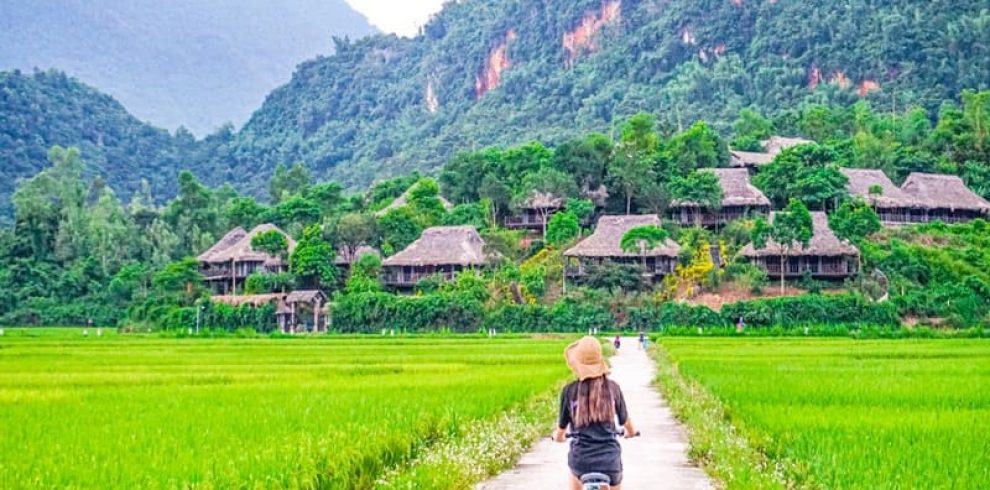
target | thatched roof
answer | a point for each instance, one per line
(748, 158)
(236, 246)
(345, 257)
(247, 299)
(777, 144)
(861, 180)
(736, 189)
(305, 296)
(404, 198)
(543, 200)
(228, 240)
(604, 242)
(823, 243)
(934, 191)
(443, 245)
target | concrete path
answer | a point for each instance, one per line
(658, 460)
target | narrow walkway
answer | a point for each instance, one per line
(656, 460)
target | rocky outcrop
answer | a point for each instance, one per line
(497, 62)
(581, 39)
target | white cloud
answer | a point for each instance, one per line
(403, 17)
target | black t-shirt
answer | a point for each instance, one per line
(595, 449)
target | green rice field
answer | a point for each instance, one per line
(146, 412)
(908, 414)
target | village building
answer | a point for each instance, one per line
(892, 205)
(345, 257)
(943, 198)
(771, 148)
(298, 311)
(404, 198)
(603, 246)
(440, 251)
(228, 263)
(535, 212)
(825, 257)
(740, 199)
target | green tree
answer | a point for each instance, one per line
(790, 228)
(180, 282)
(698, 147)
(564, 226)
(699, 188)
(353, 231)
(545, 191)
(399, 227)
(271, 242)
(854, 220)
(364, 276)
(640, 239)
(312, 260)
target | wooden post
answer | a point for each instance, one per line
(292, 319)
(233, 277)
(316, 315)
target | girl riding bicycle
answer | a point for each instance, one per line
(590, 407)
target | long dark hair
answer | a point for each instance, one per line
(594, 402)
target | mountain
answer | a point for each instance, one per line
(502, 72)
(488, 72)
(181, 62)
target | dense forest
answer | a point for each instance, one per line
(506, 72)
(503, 72)
(178, 63)
(78, 252)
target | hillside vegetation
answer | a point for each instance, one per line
(503, 72)
(78, 251)
(178, 63)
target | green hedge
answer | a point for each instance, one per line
(564, 316)
(215, 316)
(374, 312)
(812, 309)
(673, 314)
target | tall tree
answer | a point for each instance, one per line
(312, 261)
(699, 188)
(545, 191)
(790, 228)
(642, 238)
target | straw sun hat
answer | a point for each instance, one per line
(584, 357)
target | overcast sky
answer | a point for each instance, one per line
(403, 17)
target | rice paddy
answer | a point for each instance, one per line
(126, 412)
(847, 414)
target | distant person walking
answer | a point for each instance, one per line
(617, 342)
(642, 340)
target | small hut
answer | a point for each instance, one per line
(771, 148)
(299, 308)
(604, 246)
(943, 198)
(535, 212)
(227, 264)
(404, 198)
(892, 205)
(776, 144)
(749, 159)
(825, 257)
(740, 199)
(440, 250)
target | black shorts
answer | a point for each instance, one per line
(614, 478)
